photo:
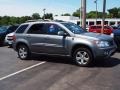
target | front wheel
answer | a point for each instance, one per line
(83, 57)
(23, 52)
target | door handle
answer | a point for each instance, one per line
(28, 36)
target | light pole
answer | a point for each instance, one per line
(96, 11)
(44, 13)
(84, 14)
(103, 18)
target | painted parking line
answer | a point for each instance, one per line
(20, 71)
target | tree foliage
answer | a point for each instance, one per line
(36, 16)
(114, 12)
(66, 14)
(76, 13)
(48, 16)
(93, 14)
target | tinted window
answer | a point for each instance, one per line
(74, 28)
(107, 27)
(96, 27)
(21, 29)
(53, 29)
(93, 27)
(37, 29)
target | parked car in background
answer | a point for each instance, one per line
(97, 29)
(3, 33)
(114, 27)
(62, 39)
(116, 36)
(9, 37)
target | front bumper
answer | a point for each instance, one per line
(105, 52)
(117, 40)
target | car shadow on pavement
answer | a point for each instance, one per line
(111, 62)
(53, 59)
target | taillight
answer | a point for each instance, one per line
(14, 38)
(10, 38)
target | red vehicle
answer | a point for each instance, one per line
(97, 29)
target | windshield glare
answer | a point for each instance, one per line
(74, 28)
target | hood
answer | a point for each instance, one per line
(2, 33)
(116, 32)
(10, 34)
(94, 36)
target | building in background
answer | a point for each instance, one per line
(108, 21)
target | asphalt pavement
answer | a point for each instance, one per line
(56, 73)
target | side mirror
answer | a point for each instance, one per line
(62, 33)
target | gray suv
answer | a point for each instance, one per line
(62, 39)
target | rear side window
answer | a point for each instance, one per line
(22, 28)
(37, 29)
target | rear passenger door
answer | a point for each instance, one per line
(36, 37)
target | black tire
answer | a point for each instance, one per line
(1, 43)
(23, 52)
(82, 54)
(10, 46)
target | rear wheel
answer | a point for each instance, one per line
(23, 52)
(83, 57)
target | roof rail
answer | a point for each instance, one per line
(43, 20)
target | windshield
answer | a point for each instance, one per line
(74, 28)
(2, 30)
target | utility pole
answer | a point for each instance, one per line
(84, 14)
(44, 13)
(103, 18)
(96, 10)
(81, 14)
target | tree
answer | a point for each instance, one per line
(36, 16)
(48, 16)
(114, 12)
(92, 14)
(76, 13)
(56, 15)
(5, 20)
(66, 14)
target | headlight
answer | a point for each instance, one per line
(102, 44)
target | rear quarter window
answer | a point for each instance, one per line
(22, 28)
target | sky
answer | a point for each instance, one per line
(57, 7)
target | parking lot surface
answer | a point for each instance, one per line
(56, 73)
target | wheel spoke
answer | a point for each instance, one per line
(84, 54)
(82, 57)
(86, 58)
(78, 58)
(22, 52)
(82, 61)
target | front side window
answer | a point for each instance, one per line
(53, 29)
(37, 29)
(74, 28)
